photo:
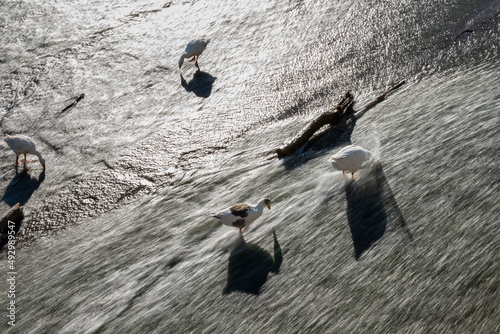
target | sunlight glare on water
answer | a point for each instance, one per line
(118, 235)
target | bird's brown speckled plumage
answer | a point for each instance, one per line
(241, 214)
(240, 209)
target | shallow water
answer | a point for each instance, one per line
(117, 236)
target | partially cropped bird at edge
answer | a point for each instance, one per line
(350, 158)
(241, 215)
(23, 145)
(194, 49)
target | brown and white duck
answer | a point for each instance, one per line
(241, 214)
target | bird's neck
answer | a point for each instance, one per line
(181, 60)
(39, 155)
(260, 206)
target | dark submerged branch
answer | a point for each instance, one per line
(14, 214)
(10, 223)
(73, 104)
(333, 117)
(359, 113)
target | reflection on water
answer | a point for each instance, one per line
(249, 265)
(201, 84)
(370, 206)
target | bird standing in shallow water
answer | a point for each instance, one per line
(350, 159)
(23, 145)
(241, 214)
(194, 49)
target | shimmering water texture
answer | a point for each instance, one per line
(117, 235)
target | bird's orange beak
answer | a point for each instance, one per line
(269, 206)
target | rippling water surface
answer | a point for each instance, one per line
(117, 236)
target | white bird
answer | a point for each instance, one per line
(350, 159)
(23, 145)
(241, 214)
(194, 49)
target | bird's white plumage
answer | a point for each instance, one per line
(350, 158)
(23, 145)
(241, 215)
(228, 218)
(194, 49)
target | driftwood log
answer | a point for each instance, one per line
(331, 118)
(14, 214)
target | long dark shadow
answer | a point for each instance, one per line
(22, 187)
(249, 266)
(20, 190)
(370, 207)
(391, 205)
(339, 135)
(201, 84)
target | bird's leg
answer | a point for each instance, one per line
(17, 160)
(192, 59)
(343, 173)
(25, 159)
(241, 230)
(196, 63)
(352, 176)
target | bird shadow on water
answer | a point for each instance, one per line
(22, 187)
(339, 135)
(249, 266)
(370, 207)
(201, 84)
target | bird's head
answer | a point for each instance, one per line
(42, 162)
(267, 202)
